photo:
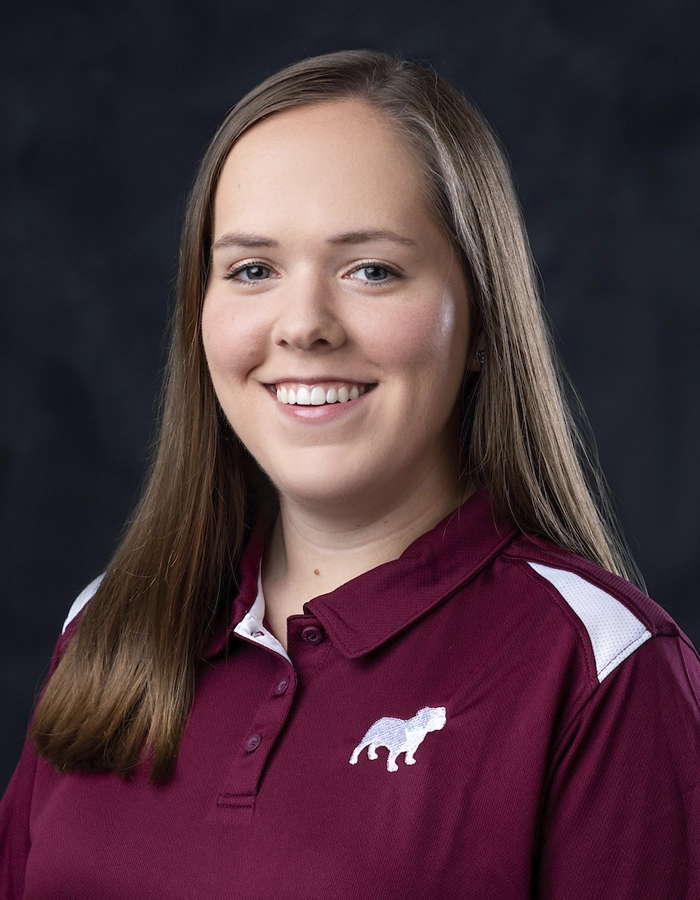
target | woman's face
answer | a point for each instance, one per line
(336, 318)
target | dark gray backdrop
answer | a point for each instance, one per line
(106, 108)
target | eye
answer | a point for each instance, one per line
(250, 273)
(373, 272)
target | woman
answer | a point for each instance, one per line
(366, 635)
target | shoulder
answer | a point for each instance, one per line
(612, 618)
(626, 743)
(81, 601)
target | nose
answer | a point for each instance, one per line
(308, 318)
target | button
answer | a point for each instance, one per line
(281, 686)
(312, 634)
(252, 742)
(257, 634)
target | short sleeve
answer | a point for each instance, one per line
(15, 809)
(16, 803)
(622, 812)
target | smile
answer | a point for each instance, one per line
(318, 394)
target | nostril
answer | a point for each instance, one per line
(315, 330)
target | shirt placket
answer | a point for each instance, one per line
(308, 642)
(243, 779)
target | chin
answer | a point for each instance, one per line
(327, 487)
(324, 495)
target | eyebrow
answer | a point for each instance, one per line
(362, 237)
(245, 239)
(242, 239)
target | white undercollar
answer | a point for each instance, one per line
(252, 628)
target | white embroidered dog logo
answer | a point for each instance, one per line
(400, 735)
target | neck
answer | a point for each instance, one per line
(314, 549)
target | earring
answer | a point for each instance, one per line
(480, 357)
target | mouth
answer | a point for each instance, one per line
(294, 393)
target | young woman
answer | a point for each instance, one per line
(368, 634)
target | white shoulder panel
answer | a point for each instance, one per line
(81, 601)
(614, 631)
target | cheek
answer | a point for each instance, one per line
(231, 339)
(430, 337)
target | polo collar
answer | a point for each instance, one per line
(374, 607)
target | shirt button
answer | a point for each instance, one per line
(312, 634)
(257, 634)
(252, 742)
(281, 686)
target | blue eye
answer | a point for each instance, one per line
(251, 273)
(375, 273)
(372, 272)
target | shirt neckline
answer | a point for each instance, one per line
(252, 625)
(367, 611)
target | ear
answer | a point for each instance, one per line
(477, 354)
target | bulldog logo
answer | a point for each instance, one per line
(400, 735)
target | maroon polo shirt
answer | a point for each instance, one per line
(486, 717)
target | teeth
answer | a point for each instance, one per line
(318, 396)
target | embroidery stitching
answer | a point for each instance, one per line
(400, 735)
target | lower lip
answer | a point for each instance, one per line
(327, 412)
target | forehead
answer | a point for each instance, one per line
(330, 159)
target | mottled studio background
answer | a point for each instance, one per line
(105, 109)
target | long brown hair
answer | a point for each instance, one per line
(126, 682)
